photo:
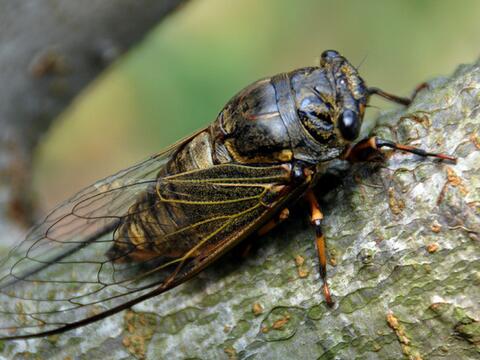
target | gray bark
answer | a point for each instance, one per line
(49, 51)
(403, 234)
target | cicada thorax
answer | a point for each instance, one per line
(264, 122)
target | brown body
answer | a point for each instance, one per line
(260, 127)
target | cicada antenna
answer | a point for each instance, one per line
(361, 62)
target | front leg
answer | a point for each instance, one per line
(365, 149)
(316, 217)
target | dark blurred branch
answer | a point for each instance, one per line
(49, 51)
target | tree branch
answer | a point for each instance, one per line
(50, 51)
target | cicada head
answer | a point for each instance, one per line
(331, 100)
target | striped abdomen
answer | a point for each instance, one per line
(151, 228)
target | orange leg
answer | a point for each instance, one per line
(246, 247)
(316, 217)
(363, 150)
(282, 216)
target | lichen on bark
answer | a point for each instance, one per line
(403, 234)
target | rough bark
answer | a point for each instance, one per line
(49, 51)
(404, 241)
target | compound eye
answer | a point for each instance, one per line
(329, 54)
(349, 125)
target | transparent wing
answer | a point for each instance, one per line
(63, 275)
(65, 252)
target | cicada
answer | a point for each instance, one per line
(155, 225)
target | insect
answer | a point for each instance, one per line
(155, 225)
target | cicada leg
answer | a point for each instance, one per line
(246, 246)
(397, 99)
(390, 97)
(281, 217)
(364, 149)
(316, 217)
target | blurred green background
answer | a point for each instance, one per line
(181, 75)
